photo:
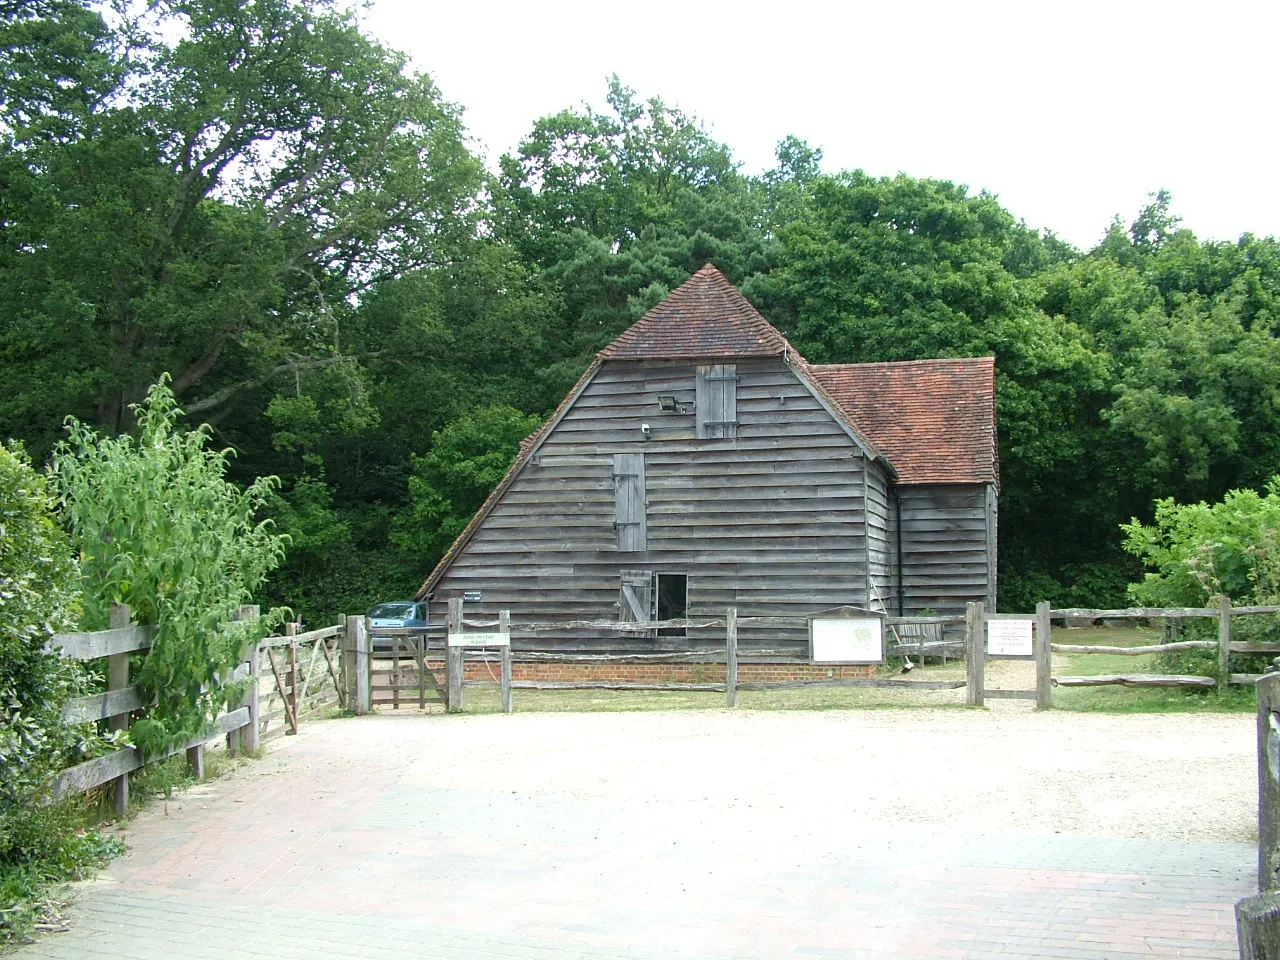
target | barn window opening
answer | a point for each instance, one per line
(673, 601)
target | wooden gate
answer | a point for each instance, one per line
(398, 670)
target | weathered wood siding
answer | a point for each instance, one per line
(770, 521)
(880, 533)
(944, 546)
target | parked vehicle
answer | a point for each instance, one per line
(399, 613)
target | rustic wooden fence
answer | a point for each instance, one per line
(291, 677)
(399, 670)
(120, 699)
(300, 675)
(929, 642)
(976, 655)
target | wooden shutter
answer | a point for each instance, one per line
(636, 602)
(629, 502)
(716, 402)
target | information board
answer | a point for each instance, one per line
(846, 640)
(1010, 638)
(479, 639)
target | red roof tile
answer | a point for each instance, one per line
(705, 316)
(935, 420)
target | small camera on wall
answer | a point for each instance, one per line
(644, 429)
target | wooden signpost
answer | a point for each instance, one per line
(1003, 636)
(458, 641)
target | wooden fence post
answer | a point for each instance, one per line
(291, 714)
(504, 626)
(348, 658)
(1258, 927)
(1224, 642)
(363, 667)
(1268, 691)
(453, 662)
(118, 679)
(251, 733)
(975, 658)
(420, 654)
(731, 657)
(1044, 657)
(1258, 917)
(235, 739)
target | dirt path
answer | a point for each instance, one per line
(858, 835)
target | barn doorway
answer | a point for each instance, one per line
(673, 601)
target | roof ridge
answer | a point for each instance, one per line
(989, 359)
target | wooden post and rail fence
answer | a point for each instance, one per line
(303, 678)
(356, 668)
(978, 625)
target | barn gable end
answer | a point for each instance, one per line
(701, 455)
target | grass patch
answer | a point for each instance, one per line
(488, 700)
(1236, 699)
(52, 846)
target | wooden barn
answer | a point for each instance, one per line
(701, 463)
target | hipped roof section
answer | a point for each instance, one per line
(704, 318)
(930, 421)
(934, 419)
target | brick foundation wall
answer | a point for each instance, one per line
(647, 672)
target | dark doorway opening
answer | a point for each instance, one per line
(673, 601)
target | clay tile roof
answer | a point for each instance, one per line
(934, 419)
(705, 316)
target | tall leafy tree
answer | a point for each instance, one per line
(222, 189)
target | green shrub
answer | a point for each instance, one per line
(40, 843)
(159, 527)
(1199, 551)
(37, 599)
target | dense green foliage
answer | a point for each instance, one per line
(264, 203)
(1200, 551)
(160, 528)
(37, 598)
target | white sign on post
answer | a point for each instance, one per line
(847, 640)
(1010, 638)
(480, 639)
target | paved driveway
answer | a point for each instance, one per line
(856, 835)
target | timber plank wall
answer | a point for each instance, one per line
(786, 518)
(945, 532)
(770, 521)
(882, 591)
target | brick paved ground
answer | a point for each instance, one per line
(673, 835)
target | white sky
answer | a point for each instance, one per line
(1070, 112)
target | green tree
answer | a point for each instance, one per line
(217, 211)
(159, 527)
(450, 483)
(1197, 552)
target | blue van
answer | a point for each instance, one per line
(399, 613)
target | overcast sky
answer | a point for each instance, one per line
(1069, 112)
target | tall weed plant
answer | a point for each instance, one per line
(158, 526)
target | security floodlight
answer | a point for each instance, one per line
(667, 404)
